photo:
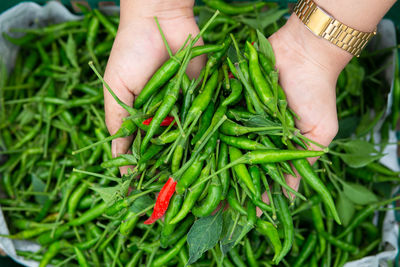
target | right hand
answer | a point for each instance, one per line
(138, 51)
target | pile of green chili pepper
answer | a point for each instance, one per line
(204, 150)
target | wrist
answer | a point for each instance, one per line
(295, 35)
(362, 15)
(163, 9)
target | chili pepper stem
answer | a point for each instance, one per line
(196, 152)
(178, 122)
(107, 139)
(163, 37)
(114, 179)
(122, 104)
(180, 138)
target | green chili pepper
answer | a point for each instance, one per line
(235, 256)
(128, 127)
(234, 202)
(170, 254)
(80, 257)
(177, 157)
(224, 176)
(181, 230)
(210, 146)
(251, 260)
(8, 185)
(128, 224)
(108, 25)
(255, 175)
(171, 96)
(270, 232)
(28, 234)
(263, 90)
(76, 197)
(49, 237)
(396, 98)
(52, 251)
(149, 154)
(166, 138)
(168, 69)
(202, 100)
(235, 95)
(214, 59)
(306, 172)
(189, 176)
(192, 196)
(286, 220)
(210, 203)
(135, 259)
(340, 244)
(307, 250)
(241, 170)
(205, 121)
(231, 128)
(234, 9)
(173, 209)
(285, 165)
(242, 142)
(363, 214)
(27, 38)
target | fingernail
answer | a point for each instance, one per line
(114, 148)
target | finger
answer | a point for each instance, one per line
(323, 135)
(265, 199)
(114, 147)
(114, 115)
(176, 40)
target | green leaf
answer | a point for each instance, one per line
(265, 19)
(347, 127)
(345, 208)
(232, 233)
(71, 51)
(129, 157)
(271, 16)
(253, 23)
(265, 47)
(256, 121)
(358, 153)
(106, 193)
(232, 54)
(38, 186)
(358, 194)
(141, 203)
(203, 235)
(355, 76)
(112, 193)
(136, 145)
(357, 160)
(358, 146)
(204, 16)
(368, 122)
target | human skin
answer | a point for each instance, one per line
(308, 65)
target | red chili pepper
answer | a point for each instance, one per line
(162, 201)
(230, 75)
(166, 122)
(252, 43)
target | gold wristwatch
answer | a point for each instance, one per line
(322, 24)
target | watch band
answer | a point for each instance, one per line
(322, 24)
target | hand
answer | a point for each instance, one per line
(138, 51)
(308, 69)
